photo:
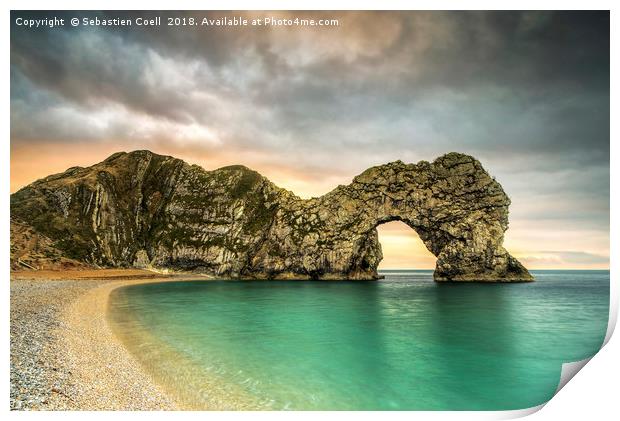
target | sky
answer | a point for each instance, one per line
(526, 93)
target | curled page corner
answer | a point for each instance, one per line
(518, 413)
(613, 314)
(568, 372)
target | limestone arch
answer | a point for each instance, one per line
(457, 209)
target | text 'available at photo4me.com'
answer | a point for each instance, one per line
(189, 21)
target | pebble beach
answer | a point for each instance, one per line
(64, 355)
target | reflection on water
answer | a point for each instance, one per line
(401, 343)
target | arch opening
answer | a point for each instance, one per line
(402, 247)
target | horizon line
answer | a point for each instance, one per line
(379, 270)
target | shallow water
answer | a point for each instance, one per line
(402, 343)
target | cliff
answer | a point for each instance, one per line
(146, 210)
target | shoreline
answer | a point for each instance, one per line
(100, 359)
(64, 353)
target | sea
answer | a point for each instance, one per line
(403, 342)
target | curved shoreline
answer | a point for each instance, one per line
(102, 358)
(111, 377)
(64, 353)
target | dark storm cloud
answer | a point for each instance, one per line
(505, 81)
(525, 92)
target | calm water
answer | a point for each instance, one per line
(404, 342)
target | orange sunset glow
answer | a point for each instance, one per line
(310, 109)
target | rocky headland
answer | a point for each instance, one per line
(145, 210)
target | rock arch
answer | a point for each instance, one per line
(144, 209)
(457, 209)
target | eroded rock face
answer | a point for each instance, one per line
(147, 210)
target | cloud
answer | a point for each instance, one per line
(499, 82)
(527, 93)
(571, 259)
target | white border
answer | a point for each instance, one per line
(593, 393)
(312, 5)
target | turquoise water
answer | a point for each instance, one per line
(401, 343)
